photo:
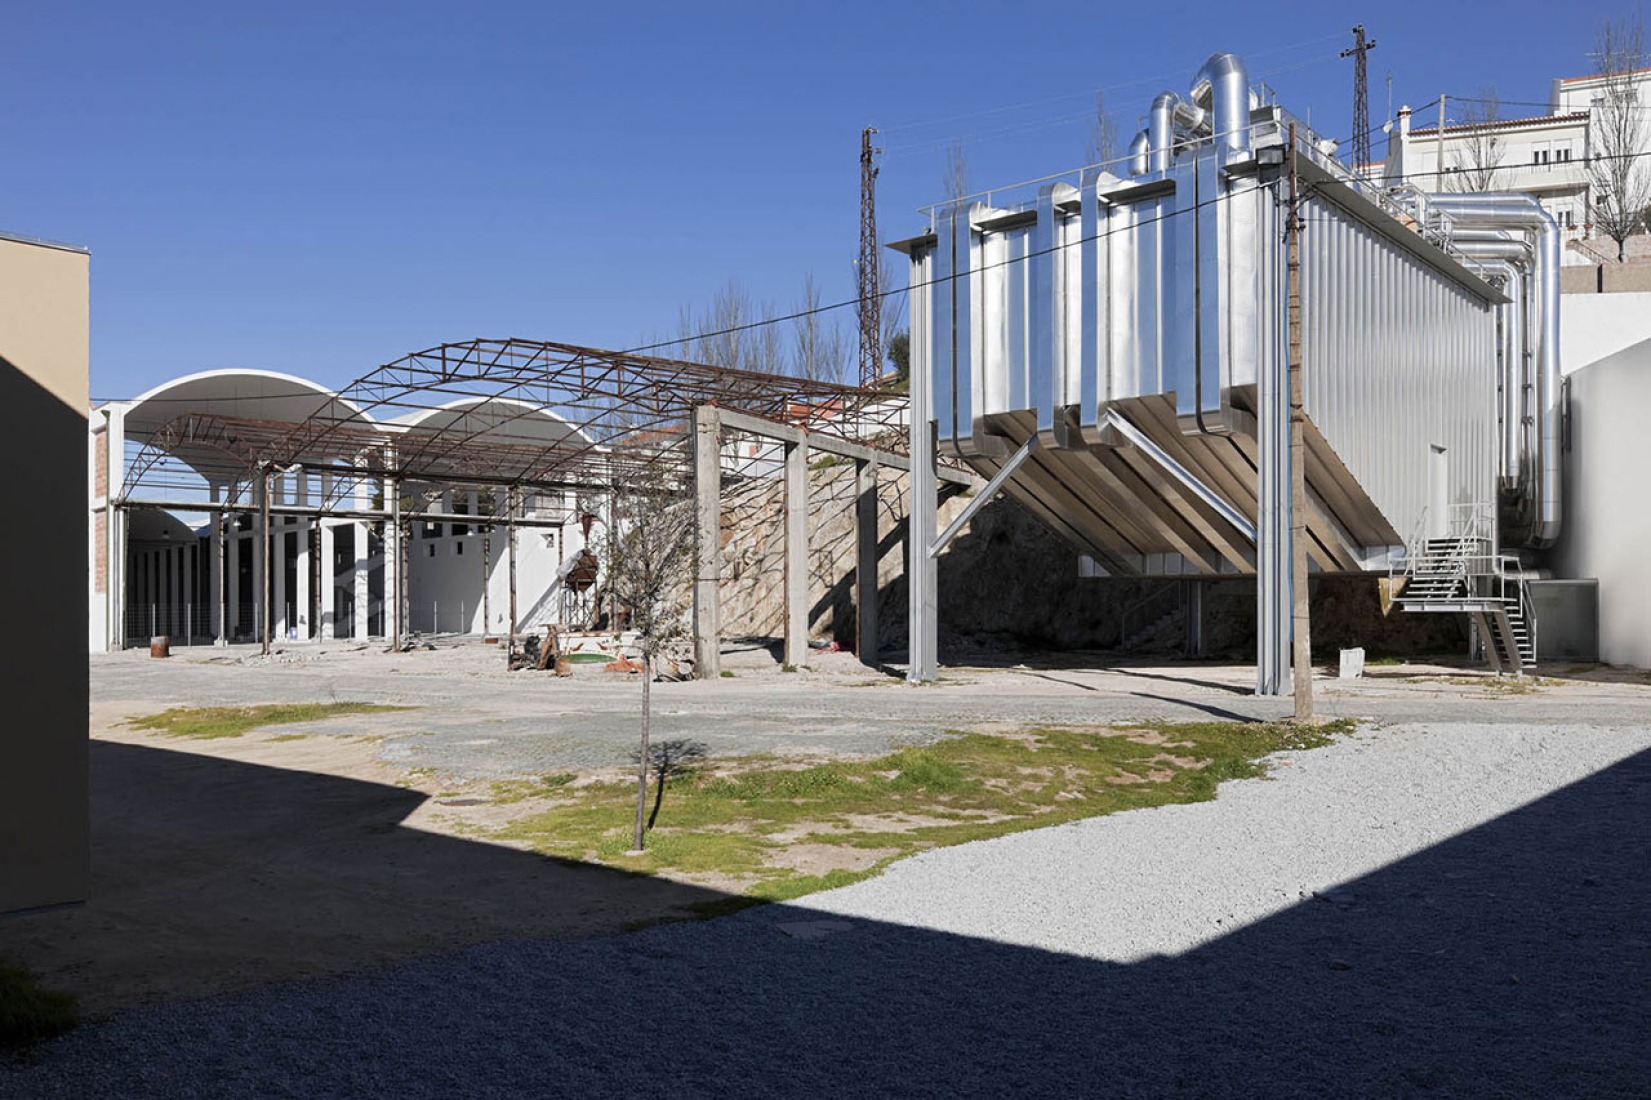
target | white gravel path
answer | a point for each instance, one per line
(1166, 880)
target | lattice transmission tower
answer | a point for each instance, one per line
(871, 299)
(1361, 99)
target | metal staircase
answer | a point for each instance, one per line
(1461, 573)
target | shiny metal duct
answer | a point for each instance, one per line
(1524, 213)
(1140, 150)
(1492, 260)
(1170, 111)
(1223, 87)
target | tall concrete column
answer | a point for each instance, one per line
(361, 583)
(395, 625)
(865, 561)
(707, 429)
(232, 586)
(303, 614)
(260, 574)
(278, 581)
(191, 605)
(215, 574)
(327, 599)
(796, 553)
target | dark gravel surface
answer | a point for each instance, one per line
(1496, 948)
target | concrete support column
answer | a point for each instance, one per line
(260, 571)
(361, 582)
(328, 596)
(215, 583)
(707, 436)
(191, 605)
(395, 624)
(865, 561)
(302, 606)
(278, 582)
(232, 587)
(796, 553)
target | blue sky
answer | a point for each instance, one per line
(322, 188)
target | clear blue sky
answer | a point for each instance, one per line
(323, 188)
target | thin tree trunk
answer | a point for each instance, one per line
(642, 763)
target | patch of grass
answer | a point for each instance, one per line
(741, 821)
(290, 737)
(726, 674)
(28, 1013)
(207, 723)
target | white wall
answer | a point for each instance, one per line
(1593, 326)
(446, 583)
(1607, 526)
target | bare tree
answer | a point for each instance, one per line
(1620, 178)
(648, 547)
(817, 347)
(1475, 161)
(1103, 135)
(956, 179)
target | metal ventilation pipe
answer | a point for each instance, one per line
(1223, 86)
(1140, 150)
(1169, 110)
(1508, 261)
(1525, 213)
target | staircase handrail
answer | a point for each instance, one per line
(1170, 589)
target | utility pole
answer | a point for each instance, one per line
(1361, 99)
(1439, 150)
(871, 301)
(1300, 627)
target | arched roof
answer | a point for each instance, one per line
(238, 394)
(215, 420)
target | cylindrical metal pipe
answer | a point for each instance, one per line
(1170, 111)
(1140, 151)
(1514, 380)
(1525, 213)
(1224, 87)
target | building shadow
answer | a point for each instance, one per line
(1510, 960)
(210, 875)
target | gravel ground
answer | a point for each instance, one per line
(1455, 909)
(477, 721)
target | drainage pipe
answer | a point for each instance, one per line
(1525, 213)
(1223, 87)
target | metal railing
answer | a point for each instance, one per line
(1167, 600)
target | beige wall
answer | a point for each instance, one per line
(44, 846)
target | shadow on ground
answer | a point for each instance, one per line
(211, 874)
(1510, 960)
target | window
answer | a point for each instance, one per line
(431, 547)
(1562, 154)
(458, 548)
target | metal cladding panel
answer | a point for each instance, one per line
(1399, 367)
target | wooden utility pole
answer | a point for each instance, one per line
(1300, 628)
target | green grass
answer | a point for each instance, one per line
(206, 723)
(29, 1014)
(738, 819)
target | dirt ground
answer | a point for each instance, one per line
(298, 852)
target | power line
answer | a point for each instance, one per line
(1361, 95)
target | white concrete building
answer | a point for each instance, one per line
(1546, 154)
(168, 464)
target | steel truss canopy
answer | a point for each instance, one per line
(511, 414)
